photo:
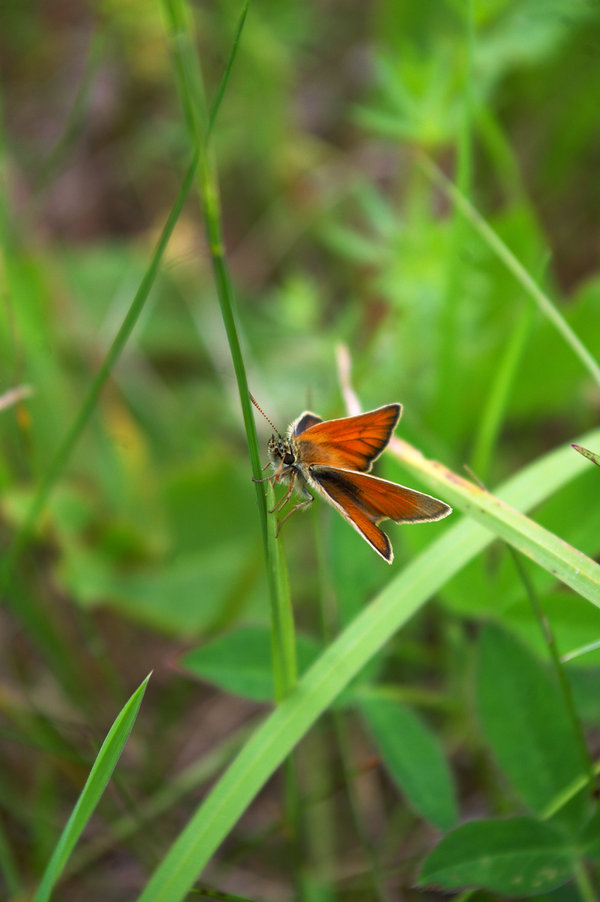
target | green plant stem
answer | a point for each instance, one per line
(512, 264)
(171, 792)
(559, 669)
(225, 79)
(495, 405)
(8, 867)
(565, 796)
(191, 91)
(586, 890)
(65, 450)
(449, 365)
(283, 641)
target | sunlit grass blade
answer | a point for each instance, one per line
(91, 793)
(582, 650)
(591, 455)
(510, 261)
(331, 673)
(566, 563)
(165, 797)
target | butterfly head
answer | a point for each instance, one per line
(280, 452)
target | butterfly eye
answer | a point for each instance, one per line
(288, 458)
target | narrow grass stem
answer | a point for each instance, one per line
(449, 364)
(584, 885)
(191, 89)
(569, 792)
(559, 669)
(497, 400)
(71, 438)
(504, 254)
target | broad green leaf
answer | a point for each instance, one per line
(526, 723)
(515, 857)
(91, 793)
(241, 662)
(414, 758)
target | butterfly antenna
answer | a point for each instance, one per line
(259, 408)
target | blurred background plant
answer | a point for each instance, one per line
(335, 232)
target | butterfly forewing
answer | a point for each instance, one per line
(351, 443)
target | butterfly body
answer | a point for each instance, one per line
(332, 459)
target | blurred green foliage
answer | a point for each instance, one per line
(334, 234)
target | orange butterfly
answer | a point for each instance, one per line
(333, 458)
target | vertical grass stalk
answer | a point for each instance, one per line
(192, 95)
(499, 248)
(449, 364)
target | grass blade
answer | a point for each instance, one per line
(590, 455)
(330, 674)
(510, 261)
(191, 90)
(216, 104)
(566, 563)
(70, 440)
(91, 793)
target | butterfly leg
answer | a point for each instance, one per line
(283, 501)
(298, 507)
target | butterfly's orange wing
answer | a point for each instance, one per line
(367, 500)
(351, 443)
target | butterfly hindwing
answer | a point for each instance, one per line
(339, 493)
(379, 498)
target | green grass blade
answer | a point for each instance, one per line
(510, 261)
(9, 871)
(70, 440)
(283, 637)
(191, 90)
(496, 404)
(590, 455)
(165, 797)
(331, 673)
(566, 563)
(225, 79)
(91, 793)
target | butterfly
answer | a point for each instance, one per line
(332, 459)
